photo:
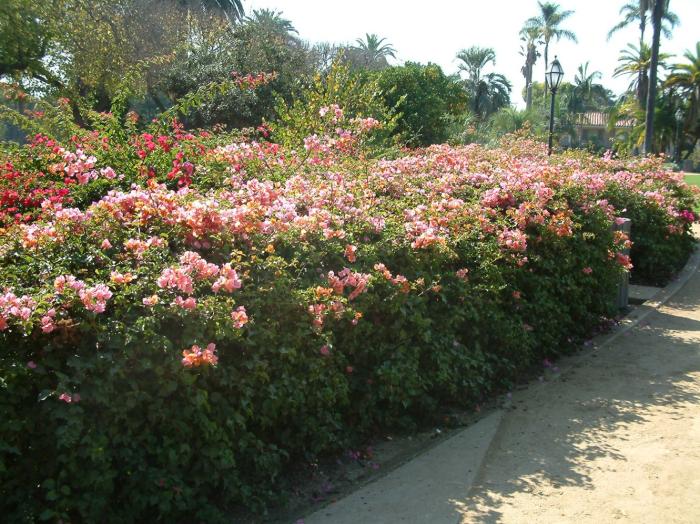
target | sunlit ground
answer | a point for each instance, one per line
(694, 179)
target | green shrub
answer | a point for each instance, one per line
(342, 296)
(426, 99)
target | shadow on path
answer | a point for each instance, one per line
(556, 432)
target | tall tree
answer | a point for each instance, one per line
(530, 37)
(375, 51)
(271, 21)
(637, 12)
(634, 12)
(548, 23)
(231, 9)
(583, 89)
(657, 13)
(474, 60)
(635, 62)
(24, 39)
(685, 78)
(487, 92)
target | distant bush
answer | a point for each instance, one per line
(426, 99)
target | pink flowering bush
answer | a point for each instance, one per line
(168, 350)
(657, 201)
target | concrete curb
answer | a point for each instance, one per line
(428, 488)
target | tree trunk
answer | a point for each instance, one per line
(546, 65)
(529, 65)
(642, 79)
(657, 13)
(643, 88)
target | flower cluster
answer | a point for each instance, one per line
(252, 80)
(13, 306)
(196, 356)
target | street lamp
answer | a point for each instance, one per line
(679, 119)
(553, 76)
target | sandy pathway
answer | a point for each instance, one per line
(615, 439)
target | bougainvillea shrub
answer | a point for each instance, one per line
(657, 201)
(170, 348)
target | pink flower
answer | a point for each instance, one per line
(366, 124)
(150, 301)
(587, 270)
(350, 251)
(70, 281)
(513, 239)
(624, 260)
(176, 278)
(95, 298)
(106, 244)
(108, 173)
(47, 325)
(325, 350)
(239, 317)
(196, 265)
(119, 278)
(228, 280)
(687, 216)
(196, 356)
(462, 273)
(31, 364)
(317, 311)
(65, 397)
(312, 143)
(188, 303)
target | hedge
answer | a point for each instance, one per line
(171, 348)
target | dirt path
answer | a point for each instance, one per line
(615, 439)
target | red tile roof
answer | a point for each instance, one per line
(599, 119)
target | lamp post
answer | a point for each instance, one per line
(554, 76)
(679, 119)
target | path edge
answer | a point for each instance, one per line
(626, 323)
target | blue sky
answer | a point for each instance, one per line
(433, 31)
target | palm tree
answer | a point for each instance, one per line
(530, 38)
(487, 92)
(686, 78)
(657, 15)
(635, 62)
(583, 89)
(271, 21)
(231, 9)
(474, 60)
(491, 94)
(637, 12)
(548, 24)
(374, 50)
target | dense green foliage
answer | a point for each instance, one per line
(334, 296)
(425, 97)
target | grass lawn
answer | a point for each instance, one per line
(694, 179)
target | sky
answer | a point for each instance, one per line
(435, 30)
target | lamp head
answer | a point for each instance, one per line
(555, 74)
